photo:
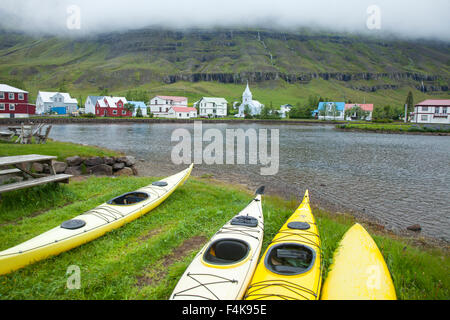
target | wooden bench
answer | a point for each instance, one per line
(35, 182)
(9, 171)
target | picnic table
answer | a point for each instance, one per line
(22, 165)
(25, 133)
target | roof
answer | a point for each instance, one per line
(46, 96)
(7, 88)
(184, 109)
(340, 106)
(247, 91)
(215, 100)
(178, 99)
(364, 107)
(111, 101)
(94, 98)
(138, 104)
(434, 103)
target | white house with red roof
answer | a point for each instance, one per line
(160, 105)
(432, 111)
(112, 107)
(365, 107)
(14, 103)
(182, 112)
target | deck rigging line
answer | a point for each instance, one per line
(205, 285)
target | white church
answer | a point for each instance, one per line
(247, 100)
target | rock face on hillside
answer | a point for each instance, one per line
(138, 57)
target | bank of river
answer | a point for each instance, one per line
(396, 180)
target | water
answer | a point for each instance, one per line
(398, 180)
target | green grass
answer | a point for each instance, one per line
(382, 127)
(54, 148)
(133, 262)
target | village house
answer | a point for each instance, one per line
(89, 104)
(255, 107)
(112, 107)
(182, 112)
(139, 105)
(160, 105)
(55, 102)
(212, 107)
(14, 103)
(364, 107)
(284, 110)
(432, 111)
(330, 111)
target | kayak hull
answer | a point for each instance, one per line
(359, 271)
(300, 232)
(98, 221)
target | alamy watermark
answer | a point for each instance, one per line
(374, 17)
(73, 21)
(228, 148)
(74, 277)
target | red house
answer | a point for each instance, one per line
(112, 107)
(14, 103)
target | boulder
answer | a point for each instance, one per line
(124, 172)
(100, 170)
(38, 167)
(74, 161)
(415, 227)
(135, 171)
(59, 166)
(128, 160)
(75, 171)
(109, 160)
(94, 161)
(118, 165)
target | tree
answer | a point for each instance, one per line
(139, 113)
(410, 102)
(247, 112)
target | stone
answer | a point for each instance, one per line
(75, 171)
(118, 166)
(415, 228)
(74, 161)
(135, 171)
(59, 166)
(100, 170)
(128, 160)
(94, 161)
(38, 167)
(109, 160)
(124, 172)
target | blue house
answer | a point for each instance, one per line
(330, 111)
(139, 105)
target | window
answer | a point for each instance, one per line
(179, 115)
(11, 96)
(124, 112)
(424, 108)
(12, 107)
(21, 97)
(2, 106)
(444, 110)
(2, 95)
(436, 110)
(424, 118)
(114, 111)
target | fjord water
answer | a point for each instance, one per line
(398, 180)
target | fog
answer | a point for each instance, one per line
(402, 18)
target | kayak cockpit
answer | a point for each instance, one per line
(226, 252)
(129, 199)
(290, 259)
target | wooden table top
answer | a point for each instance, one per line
(5, 161)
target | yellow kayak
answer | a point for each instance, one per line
(359, 271)
(91, 224)
(291, 266)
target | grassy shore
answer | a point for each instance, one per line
(54, 148)
(145, 258)
(394, 128)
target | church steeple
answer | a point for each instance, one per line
(247, 96)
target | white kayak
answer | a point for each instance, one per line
(91, 224)
(224, 267)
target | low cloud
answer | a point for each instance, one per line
(404, 18)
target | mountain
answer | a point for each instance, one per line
(218, 62)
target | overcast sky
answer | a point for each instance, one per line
(406, 18)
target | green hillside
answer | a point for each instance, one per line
(281, 67)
